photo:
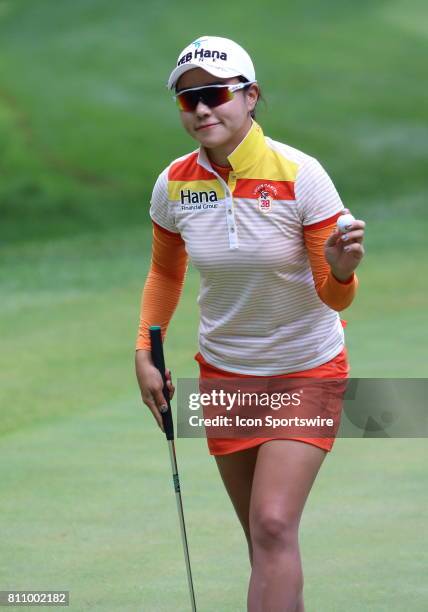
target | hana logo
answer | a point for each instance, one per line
(266, 193)
(200, 54)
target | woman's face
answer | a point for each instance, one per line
(228, 123)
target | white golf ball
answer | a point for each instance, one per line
(343, 221)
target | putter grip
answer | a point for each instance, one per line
(159, 362)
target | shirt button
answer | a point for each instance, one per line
(230, 211)
(232, 229)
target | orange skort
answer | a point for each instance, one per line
(336, 368)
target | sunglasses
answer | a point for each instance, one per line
(210, 95)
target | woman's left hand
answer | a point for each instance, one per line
(345, 251)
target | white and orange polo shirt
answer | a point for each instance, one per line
(260, 312)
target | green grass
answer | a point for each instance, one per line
(85, 473)
(86, 124)
(87, 505)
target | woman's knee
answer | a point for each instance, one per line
(272, 529)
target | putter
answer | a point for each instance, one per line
(168, 424)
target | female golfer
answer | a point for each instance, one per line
(257, 218)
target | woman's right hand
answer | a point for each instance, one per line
(151, 385)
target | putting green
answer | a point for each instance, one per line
(88, 506)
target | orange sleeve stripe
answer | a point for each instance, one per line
(164, 284)
(336, 294)
(168, 232)
(323, 223)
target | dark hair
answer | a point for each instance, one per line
(242, 79)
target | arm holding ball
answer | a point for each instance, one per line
(344, 248)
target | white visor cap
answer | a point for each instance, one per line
(220, 57)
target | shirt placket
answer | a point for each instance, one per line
(230, 213)
(229, 188)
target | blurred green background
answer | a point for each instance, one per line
(86, 125)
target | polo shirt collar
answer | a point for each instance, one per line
(246, 154)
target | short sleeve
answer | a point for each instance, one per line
(316, 197)
(161, 210)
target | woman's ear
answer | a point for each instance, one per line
(253, 93)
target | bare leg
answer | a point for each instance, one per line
(283, 477)
(237, 470)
